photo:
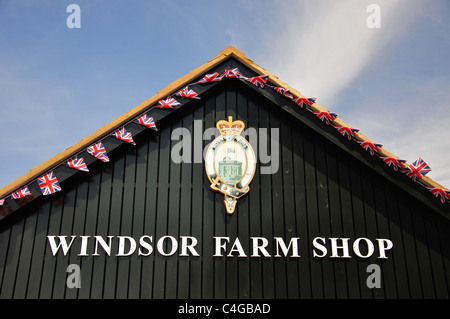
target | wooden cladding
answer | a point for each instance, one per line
(319, 190)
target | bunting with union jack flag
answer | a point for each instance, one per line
(76, 163)
(346, 131)
(21, 193)
(124, 135)
(326, 116)
(417, 170)
(208, 78)
(97, 150)
(49, 184)
(440, 193)
(304, 102)
(258, 81)
(187, 92)
(393, 162)
(146, 120)
(2, 201)
(370, 146)
(233, 73)
(283, 91)
(167, 103)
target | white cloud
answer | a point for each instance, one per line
(325, 45)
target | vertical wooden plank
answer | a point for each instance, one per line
(437, 255)
(359, 225)
(278, 209)
(412, 269)
(86, 263)
(147, 280)
(104, 208)
(40, 244)
(301, 213)
(159, 287)
(68, 210)
(347, 223)
(232, 284)
(423, 254)
(268, 270)
(185, 222)
(371, 224)
(312, 210)
(220, 218)
(54, 228)
(5, 234)
(110, 285)
(388, 282)
(208, 216)
(290, 227)
(26, 251)
(173, 218)
(324, 214)
(444, 242)
(254, 198)
(336, 227)
(138, 220)
(398, 251)
(12, 260)
(195, 284)
(126, 223)
(243, 208)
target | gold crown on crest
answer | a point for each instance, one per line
(230, 126)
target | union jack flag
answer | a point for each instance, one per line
(97, 150)
(124, 135)
(370, 146)
(145, 120)
(213, 77)
(283, 91)
(417, 169)
(168, 103)
(303, 101)
(442, 194)
(233, 73)
(2, 201)
(326, 116)
(77, 163)
(258, 80)
(346, 131)
(393, 162)
(21, 193)
(187, 92)
(48, 184)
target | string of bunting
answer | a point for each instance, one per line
(49, 184)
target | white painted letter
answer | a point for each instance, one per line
(357, 251)
(335, 247)
(62, 243)
(259, 248)
(280, 244)
(322, 248)
(219, 246)
(121, 251)
(185, 246)
(384, 244)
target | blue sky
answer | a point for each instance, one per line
(59, 85)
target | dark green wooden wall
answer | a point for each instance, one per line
(319, 190)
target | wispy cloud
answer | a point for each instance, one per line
(324, 45)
